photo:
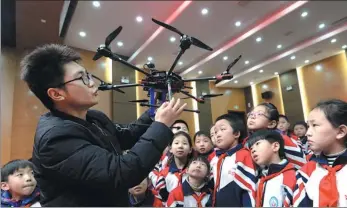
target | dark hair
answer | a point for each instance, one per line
(272, 111)
(200, 133)
(181, 133)
(269, 135)
(204, 160)
(13, 166)
(302, 123)
(236, 123)
(43, 68)
(283, 116)
(180, 121)
(335, 111)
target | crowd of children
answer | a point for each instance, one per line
(261, 163)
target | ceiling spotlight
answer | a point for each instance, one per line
(96, 4)
(225, 58)
(258, 39)
(238, 24)
(236, 81)
(279, 46)
(304, 14)
(139, 19)
(265, 86)
(204, 11)
(276, 73)
(333, 40)
(200, 72)
(344, 47)
(307, 61)
(246, 62)
(251, 83)
(321, 26)
(318, 68)
(83, 34)
(120, 43)
(43, 20)
(180, 63)
(261, 71)
(172, 39)
(149, 58)
(292, 57)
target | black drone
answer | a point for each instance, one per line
(157, 83)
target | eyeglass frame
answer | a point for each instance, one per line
(87, 83)
(258, 113)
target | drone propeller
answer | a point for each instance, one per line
(226, 73)
(194, 41)
(108, 41)
(211, 95)
(139, 101)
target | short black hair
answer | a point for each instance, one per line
(271, 109)
(43, 68)
(200, 133)
(236, 123)
(204, 160)
(335, 111)
(302, 123)
(13, 166)
(283, 116)
(180, 121)
(271, 136)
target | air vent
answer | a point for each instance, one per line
(288, 33)
(340, 21)
(317, 52)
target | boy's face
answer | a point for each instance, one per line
(179, 127)
(264, 153)
(197, 169)
(21, 183)
(259, 119)
(139, 189)
(225, 136)
(283, 124)
(300, 130)
(203, 144)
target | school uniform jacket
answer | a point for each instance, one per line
(154, 174)
(185, 196)
(234, 178)
(310, 189)
(277, 187)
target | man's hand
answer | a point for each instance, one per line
(168, 113)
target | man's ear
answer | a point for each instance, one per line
(272, 124)
(5, 186)
(56, 94)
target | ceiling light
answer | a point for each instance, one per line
(83, 34)
(149, 58)
(139, 19)
(225, 58)
(318, 68)
(246, 62)
(238, 24)
(276, 73)
(265, 86)
(261, 71)
(204, 11)
(344, 47)
(307, 61)
(200, 72)
(180, 63)
(172, 39)
(279, 46)
(120, 43)
(251, 83)
(43, 20)
(333, 40)
(236, 81)
(258, 39)
(292, 57)
(304, 14)
(321, 26)
(96, 4)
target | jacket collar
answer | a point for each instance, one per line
(322, 159)
(188, 191)
(229, 152)
(7, 201)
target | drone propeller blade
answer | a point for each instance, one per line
(200, 44)
(169, 27)
(112, 36)
(211, 95)
(97, 56)
(233, 63)
(139, 101)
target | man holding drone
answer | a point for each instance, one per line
(77, 151)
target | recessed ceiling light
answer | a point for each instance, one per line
(200, 72)
(96, 4)
(307, 61)
(236, 81)
(292, 57)
(172, 39)
(265, 86)
(43, 20)
(149, 58)
(258, 39)
(304, 14)
(318, 68)
(261, 71)
(204, 11)
(333, 40)
(139, 19)
(279, 46)
(180, 63)
(251, 83)
(246, 62)
(225, 58)
(83, 34)
(321, 26)
(344, 47)
(120, 43)
(276, 73)
(238, 24)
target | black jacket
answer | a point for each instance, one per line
(80, 163)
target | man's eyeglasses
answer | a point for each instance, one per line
(257, 114)
(86, 78)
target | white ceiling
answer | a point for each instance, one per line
(216, 29)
